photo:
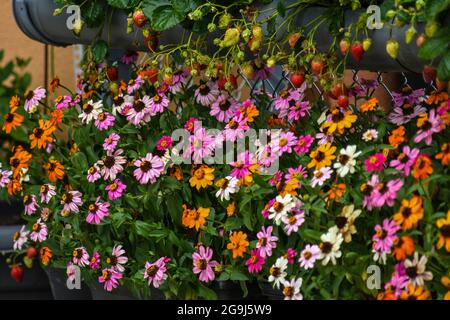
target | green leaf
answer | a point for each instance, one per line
(436, 45)
(93, 13)
(165, 17)
(435, 7)
(238, 276)
(142, 228)
(149, 6)
(100, 50)
(185, 6)
(121, 4)
(444, 68)
(206, 293)
(281, 8)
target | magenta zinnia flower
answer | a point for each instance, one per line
(236, 127)
(386, 193)
(430, 126)
(155, 273)
(104, 121)
(164, 143)
(255, 262)
(202, 145)
(110, 278)
(39, 231)
(30, 204)
(203, 265)
(385, 236)
(63, 102)
(266, 242)
(72, 200)
(112, 164)
(283, 142)
(95, 261)
(375, 162)
(206, 94)
(93, 173)
(242, 165)
(405, 160)
(223, 109)
(134, 84)
(149, 168)
(303, 144)
(97, 211)
(158, 103)
(115, 189)
(117, 259)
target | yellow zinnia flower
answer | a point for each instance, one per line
(339, 121)
(410, 213)
(202, 177)
(444, 232)
(322, 156)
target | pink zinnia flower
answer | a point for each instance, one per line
(104, 121)
(32, 99)
(320, 176)
(63, 102)
(265, 212)
(236, 128)
(93, 173)
(303, 144)
(281, 102)
(401, 115)
(117, 259)
(266, 242)
(410, 96)
(298, 109)
(115, 189)
(203, 265)
(283, 142)
(5, 177)
(80, 257)
(386, 193)
(223, 109)
(375, 162)
(70, 271)
(399, 279)
(293, 220)
(206, 94)
(155, 273)
(255, 262)
(385, 236)
(47, 192)
(110, 278)
(95, 261)
(202, 144)
(97, 211)
(72, 200)
(298, 173)
(139, 111)
(39, 231)
(430, 126)
(111, 142)
(164, 143)
(290, 255)
(20, 238)
(405, 160)
(30, 204)
(308, 256)
(191, 125)
(112, 164)
(149, 168)
(158, 103)
(134, 85)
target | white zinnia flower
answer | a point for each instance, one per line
(227, 186)
(278, 272)
(370, 135)
(291, 289)
(281, 207)
(330, 246)
(91, 111)
(346, 161)
(416, 270)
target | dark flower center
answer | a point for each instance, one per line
(109, 161)
(87, 108)
(9, 117)
(151, 271)
(341, 221)
(204, 89)
(146, 166)
(326, 247)
(343, 159)
(445, 230)
(224, 105)
(38, 132)
(411, 272)
(138, 106)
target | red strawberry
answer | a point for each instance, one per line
(344, 44)
(297, 79)
(342, 101)
(420, 40)
(223, 80)
(17, 273)
(293, 39)
(317, 66)
(337, 90)
(31, 252)
(112, 73)
(429, 74)
(139, 18)
(357, 51)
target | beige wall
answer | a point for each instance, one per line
(15, 43)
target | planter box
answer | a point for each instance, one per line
(35, 18)
(57, 279)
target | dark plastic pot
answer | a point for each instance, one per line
(270, 293)
(35, 18)
(58, 279)
(228, 290)
(10, 212)
(120, 293)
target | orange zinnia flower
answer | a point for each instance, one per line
(397, 137)
(444, 155)
(337, 191)
(19, 161)
(54, 84)
(238, 244)
(422, 167)
(444, 232)
(369, 105)
(445, 280)
(410, 213)
(42, 135)
(14, 187)
(12, 120)
(56, 117)
(403, 248)
(46, 255)
(194, 218)
(415, 293)
(249, 111)
(437, 97)
(231, 208)
(55, 170)
(202, 177)
(14, 102)
(176, 172)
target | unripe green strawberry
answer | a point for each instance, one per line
(367, 43)
(392, 47)
(344, 45)
(431, 28)
(409, 34)
(231, 37)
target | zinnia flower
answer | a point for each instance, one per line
(97, 211)
(39, 231)
(238, 244)
(346, 161)
(112, 164)
(149, 168)
(277, 272)
(255, 262)
(104, 121)
(375, 162)
(91, 111)
(206, 94)
(308, 256)
(202, 177)
(20, 238)
(30, 204)
(416, 270)
(428, 124)
(227, 186)
(291, 289)
(443, 225)
(155, 273)
(71, 201)
(330, 246)
(410, 213)
(115, 189)
(266, 241)
(32, 99)
(405, 160)
(47, 192)
(203, 265)
(117, 259)
(320, 176)
(110, 278)
(80, 257)
(111, 142)
(223, 109)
